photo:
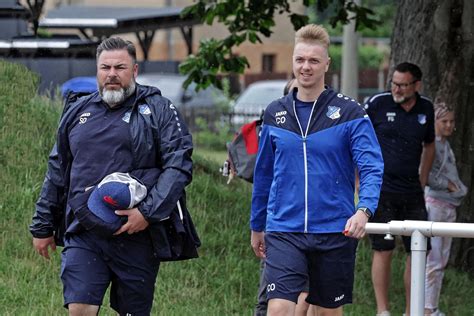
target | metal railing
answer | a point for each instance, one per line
(420, 231)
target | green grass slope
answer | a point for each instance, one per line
(223, 281)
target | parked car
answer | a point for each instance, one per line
(254, 99)
(207, 106)
(171, 86)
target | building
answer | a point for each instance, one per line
(271, 59)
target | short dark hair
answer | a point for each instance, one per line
(413, 69)
(117, 43)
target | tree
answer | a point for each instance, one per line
(249, 20)
(435, 34)
(35, 7)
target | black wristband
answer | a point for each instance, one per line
(366, 211)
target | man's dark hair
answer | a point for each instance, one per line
(117, 43)
(413, 69)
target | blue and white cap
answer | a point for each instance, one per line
(117, 191)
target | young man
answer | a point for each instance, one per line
(312, 141)
(302, 307)
(404, 123)
(123, 127)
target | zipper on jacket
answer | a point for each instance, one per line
(305, 160)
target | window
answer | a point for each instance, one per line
(268, 62)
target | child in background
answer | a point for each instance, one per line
(443, 194)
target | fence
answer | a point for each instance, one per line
(54, 72)
(214, 119)
(419, 232)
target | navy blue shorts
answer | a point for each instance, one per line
(90, 263)
(328, 261)
(397, 206)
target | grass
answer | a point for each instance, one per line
(217, 157)
(223, 281)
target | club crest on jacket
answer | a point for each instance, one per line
(333, 112)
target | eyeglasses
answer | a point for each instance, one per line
(402, 86)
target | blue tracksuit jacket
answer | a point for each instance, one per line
(304, 179)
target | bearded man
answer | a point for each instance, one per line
(404, 123)
(128, 130)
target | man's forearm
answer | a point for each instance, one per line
(427, 159)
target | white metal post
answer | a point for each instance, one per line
(419, 232)
(418, 262)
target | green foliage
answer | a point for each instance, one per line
(213, 131)
(384, 10)
(342, 10)
(209, 139)
(44, 33)
(369, 57)
(248, 20)
(335, 52)
(223, 281)
(204, 67)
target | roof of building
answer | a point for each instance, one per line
(100, 18)
(13, 11)
(57, 46)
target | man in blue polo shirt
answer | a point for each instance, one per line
(404, 123)
(124, 127)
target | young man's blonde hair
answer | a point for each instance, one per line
(313, 33)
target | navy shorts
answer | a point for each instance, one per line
(328, 261)
(90, 263)
(397, 206)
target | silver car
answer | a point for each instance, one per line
(171, 86)
(254, 99)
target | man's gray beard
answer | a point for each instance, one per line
(399, 100)
(115, 97)
(403, 99)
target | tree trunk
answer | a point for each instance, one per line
(438, 35)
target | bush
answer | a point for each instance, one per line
(206, 138)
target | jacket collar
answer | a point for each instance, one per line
(141, 92)
(287, 101)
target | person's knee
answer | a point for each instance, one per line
(329, 311)
(383, 255)
(77, 309)
(280, 307)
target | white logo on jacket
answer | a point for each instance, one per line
(422, 119)
(83, 117)
(144, 109)
(126, 117)
(391, 116)
(333, 112)
(280, 117)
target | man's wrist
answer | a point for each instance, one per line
(366, 211)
